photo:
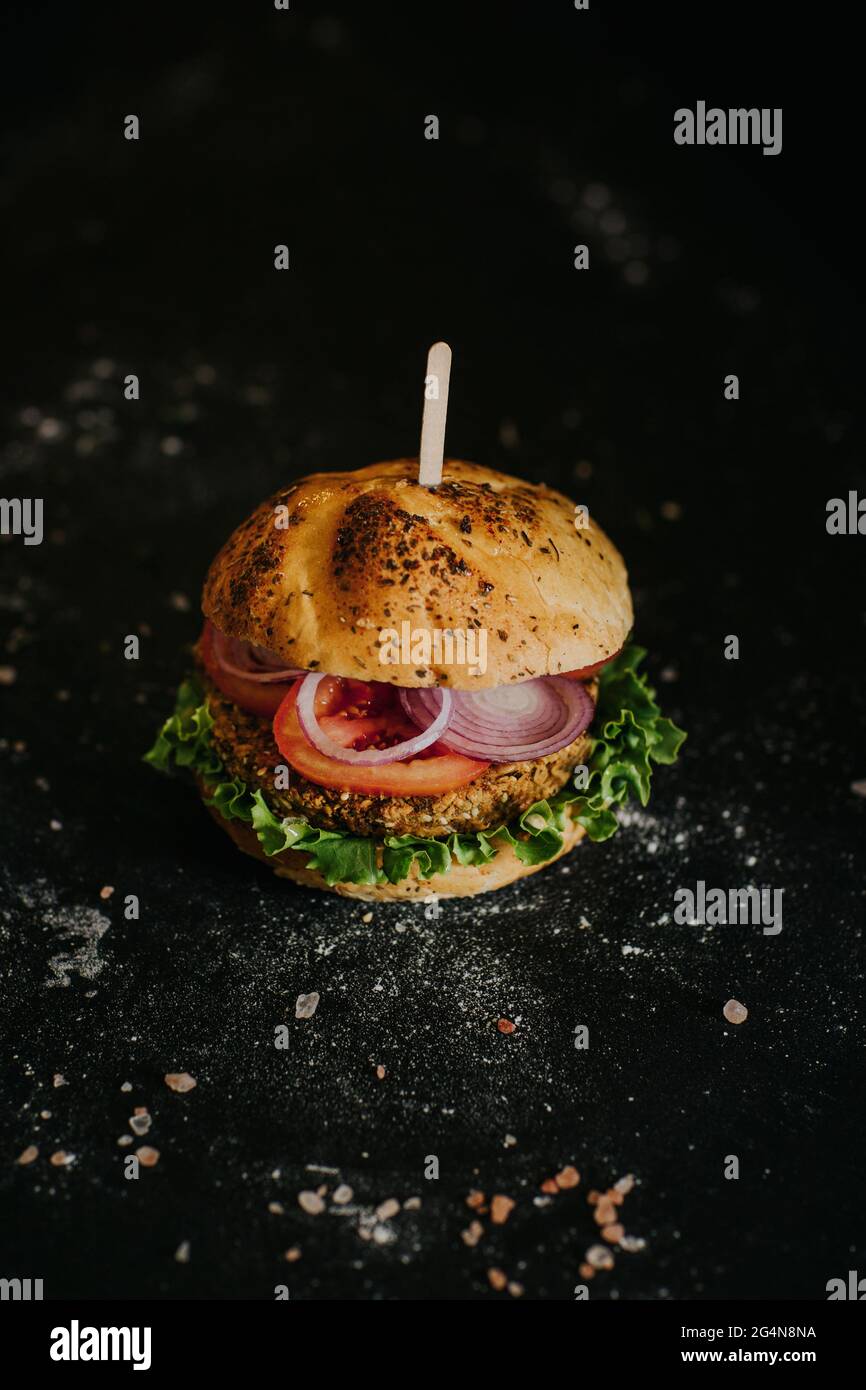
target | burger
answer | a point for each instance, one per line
(414, 692)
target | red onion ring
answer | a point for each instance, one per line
(511, 723)
(365, 757)
(248, 661)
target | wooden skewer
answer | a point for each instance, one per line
(433, 419)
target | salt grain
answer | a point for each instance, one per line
(180, 1081)
(387, 1209)
(311, 1202)
(306, 1005)
(735, 1012)
(500, 1209)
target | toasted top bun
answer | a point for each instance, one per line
(328, 570)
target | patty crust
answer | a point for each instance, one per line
(245, 744)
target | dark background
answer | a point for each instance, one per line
(157, 258)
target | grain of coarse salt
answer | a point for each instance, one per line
(473, 1233)
(311, 1202)
(181, 1254)
(633, 1243)
(735, 1012)
(147, 1157)
(306, 1005)
(342, 1194)
(604, 1212)
(387, 1209)
(180, 1081)
(599, 1257)
(568, 1177)
(501, 1208)
(497, 1279)
(140, 1122)
(28, 1156)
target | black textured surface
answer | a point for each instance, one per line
(156, 259)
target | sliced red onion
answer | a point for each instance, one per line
(369, 757)
(251, 662)
(511, 723)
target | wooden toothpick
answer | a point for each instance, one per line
(433, 419)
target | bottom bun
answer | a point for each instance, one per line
(461, 880)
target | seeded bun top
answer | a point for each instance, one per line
(328, 570)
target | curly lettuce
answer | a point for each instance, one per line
(629, 735)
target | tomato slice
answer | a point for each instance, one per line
(360, 715)
(256, 697)
(586, 671)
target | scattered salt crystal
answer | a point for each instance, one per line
(599, 1257)
(180, 1081)
(342, 1194)
(147, 1156)
(306, 1005)
(28, 1156)
(181, 1254)
(632, 1243)
(387, 1209)
(140, 1123)
(501, 1208)
(311, 1202)
(735, 1012)
(50, 429)
(569, 1177)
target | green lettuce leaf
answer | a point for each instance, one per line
(630, 734)
(184, 739)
